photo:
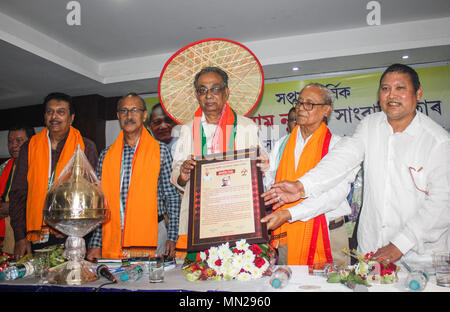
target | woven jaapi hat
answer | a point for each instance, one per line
(176, 83)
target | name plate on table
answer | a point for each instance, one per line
(225, 204)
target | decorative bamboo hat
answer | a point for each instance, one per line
(176, 83)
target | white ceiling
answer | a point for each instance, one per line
(122, 45)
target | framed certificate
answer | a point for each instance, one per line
(225, 204)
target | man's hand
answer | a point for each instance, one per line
(276, 219)
(21, 248)
(4, 209)
(388, 253)
(282, 193)
(263, 161)
(170, 248)
(94, 254)
(185, 171)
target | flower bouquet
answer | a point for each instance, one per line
(366, 271)
(242, 262)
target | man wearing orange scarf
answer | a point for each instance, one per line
(17, 135)
(40, 161)
(315, 225)
(215, 128)
(135, 175)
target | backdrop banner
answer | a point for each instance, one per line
(355, 98)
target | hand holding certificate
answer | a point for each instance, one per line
(225, 200)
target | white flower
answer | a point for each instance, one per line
(249, 256)
(211, 261)
(256, 273)
(224, 251)
(203, 256)
(238, 261)
(248, 266)
(242, 245)
(243, 276)
(214, 252)
(362, 268)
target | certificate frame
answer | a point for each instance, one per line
(258, 234)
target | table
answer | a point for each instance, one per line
(175, 281)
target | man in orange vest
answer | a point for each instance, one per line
(140, 167)
(17, 135)
(40, 161)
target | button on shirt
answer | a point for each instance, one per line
(168, 197)
(400, 169)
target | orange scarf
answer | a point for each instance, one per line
(4, 178)
(141, 212)
(38, 180)
(308, 242)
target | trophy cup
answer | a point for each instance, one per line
(75, 205)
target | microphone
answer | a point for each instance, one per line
(103, 270)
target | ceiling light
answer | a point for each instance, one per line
(405, 57)
(295, 68)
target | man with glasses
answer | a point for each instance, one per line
(203, 135)
(308, 231)
(406, 155)
(40, 161)
(135, 176)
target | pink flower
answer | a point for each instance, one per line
(259, 262)
(369, 255)
(218, 262)
(256, 249)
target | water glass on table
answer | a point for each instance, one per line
(441, 264)
(156, 270)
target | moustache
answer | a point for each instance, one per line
(54, 121)
(127, 121)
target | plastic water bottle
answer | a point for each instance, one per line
(417, 280)
(18, 271)
(280, 278)
(131, 273)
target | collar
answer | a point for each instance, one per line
(413, 129)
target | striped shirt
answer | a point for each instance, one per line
(168, 196)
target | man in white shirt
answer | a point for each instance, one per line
(211, 85)
(332, 203)
(406, 204)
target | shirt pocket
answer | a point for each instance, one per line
(418, 175)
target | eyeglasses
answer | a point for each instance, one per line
(132, 111)
(307, 105)
(59, 112)
(214, 90)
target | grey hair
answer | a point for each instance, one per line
(212, 69)
(131, 94)
(327, 95)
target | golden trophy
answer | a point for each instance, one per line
(75, 205)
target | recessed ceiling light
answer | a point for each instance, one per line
(405, 57)
(295, 68)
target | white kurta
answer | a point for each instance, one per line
(398, 167)
(246, 137)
